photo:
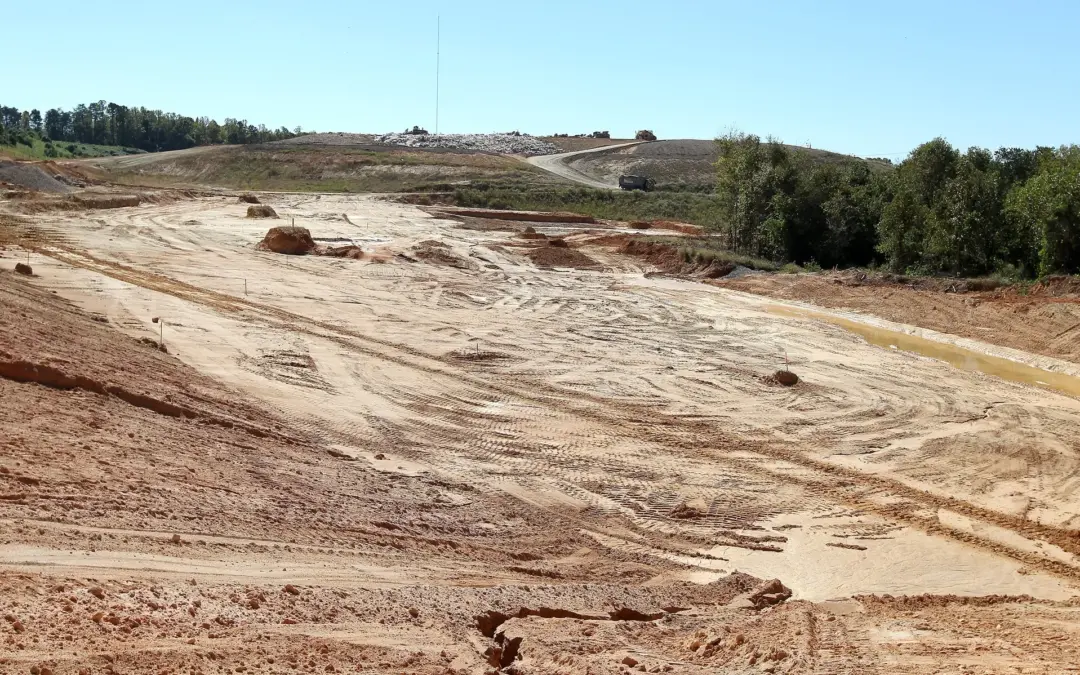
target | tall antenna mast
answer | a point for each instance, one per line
(438, 41)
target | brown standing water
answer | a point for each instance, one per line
(959, 357)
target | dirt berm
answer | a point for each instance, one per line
(519, 216)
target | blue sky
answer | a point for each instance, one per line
(867, 78)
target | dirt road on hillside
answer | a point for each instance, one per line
(558, 165)
(446, 458)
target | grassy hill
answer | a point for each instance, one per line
(38, 150)
(318, 168)
(675, 164)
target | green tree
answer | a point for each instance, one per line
(749, 174)
(902, 229)
(53, 127)
(1047, 209)
(852, 212)
(966, 233)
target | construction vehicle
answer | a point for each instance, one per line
(635, 183)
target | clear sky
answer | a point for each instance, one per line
(865, 77)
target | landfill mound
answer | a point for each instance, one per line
(506, 144)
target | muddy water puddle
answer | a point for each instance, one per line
(954, 355)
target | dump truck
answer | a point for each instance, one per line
(635, 183)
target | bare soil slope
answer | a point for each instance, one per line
(448, 458)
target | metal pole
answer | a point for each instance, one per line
(438, 43)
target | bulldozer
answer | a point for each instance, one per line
(642, 183)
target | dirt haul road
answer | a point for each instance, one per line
(559, 165)
(443, 458)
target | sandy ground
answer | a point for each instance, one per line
(444, 458)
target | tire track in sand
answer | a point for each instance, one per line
(887, 497)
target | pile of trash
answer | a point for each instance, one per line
(505, 144)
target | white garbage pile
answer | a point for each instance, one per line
(506, 144)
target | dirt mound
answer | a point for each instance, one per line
(438, 253)
(1056, 286)
(23, 268)
(261, 211)
(354, 252)
(765, 594)
(685, 228)
(786, 378)
(663, 256)
(249, 198)
(288, 239)
(531, 233)
(560, 256)
(30, 176)
(691, 509)
(670, 260)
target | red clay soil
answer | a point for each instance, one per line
(353, 252)
(560, 255)
(670, 261)
(1043, 320)
(287, 239)
(520, 216)
(156, 521)
(673, 226)
(205, 531)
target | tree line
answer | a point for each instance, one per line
(104, 123)
(1014, 212)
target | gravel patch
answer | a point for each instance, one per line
(30, 176)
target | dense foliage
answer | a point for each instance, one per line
(104, 123)
(939, 211)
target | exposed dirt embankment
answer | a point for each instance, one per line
(1044, 319)
(669, 260)
(518, 216)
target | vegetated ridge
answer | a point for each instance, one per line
(101, 128)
